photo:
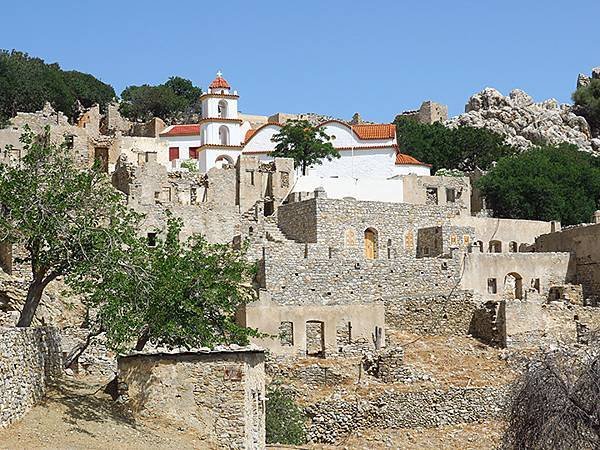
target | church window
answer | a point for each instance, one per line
(224, 135)
(222, 109)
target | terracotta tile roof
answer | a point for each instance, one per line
(219, 83)
(402, 158)
(249, 134)
(182, 130)
(375, 131)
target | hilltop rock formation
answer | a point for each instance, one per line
(524, 122)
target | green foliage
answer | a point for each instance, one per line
(463, 148)
(544, 183)
(190, 164)
(284, 418)
(307, 144)
(171, 293)
(449, 173)
(67, 219)
(588, 100)
(26, 83)
(174, 100)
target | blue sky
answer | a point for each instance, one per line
(332, 57)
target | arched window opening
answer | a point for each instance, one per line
(371, 243)
(223, 160)
(224, 135)
(513, 286)
(512, 247)
(222, 109)
(495, 247)
(478, 245)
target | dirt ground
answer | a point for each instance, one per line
(79, 415)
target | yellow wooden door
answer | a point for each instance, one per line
(370, 251)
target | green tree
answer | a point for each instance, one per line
(168, 292)
(26, 83)
(284, 418)
(463, 148)
(307, 144)
(174, 100)
(587, 98)
(89, 90)
(66, 219)
(544, 183)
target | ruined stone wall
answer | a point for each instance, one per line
(333, 420)
(437, 190)
(220, 396)
(584, 244)
(298, 221)
(341, 224)
(441, 313)
(81, 138)
(293, 279)
(535, 271)
(292, 329)
(30, 358)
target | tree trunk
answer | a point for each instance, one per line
(78, 350)
(144, 337)
(34, 295)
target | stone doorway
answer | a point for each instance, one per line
(370, 243)
(315, 338)
(513, 286)
(101, 155)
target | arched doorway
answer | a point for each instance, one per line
(371, 243)
(513, 285)
(495, 247)
(223, 160)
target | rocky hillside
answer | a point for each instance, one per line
(527, 123)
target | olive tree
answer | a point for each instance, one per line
(66, 218)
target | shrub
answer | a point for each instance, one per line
(284, 418)
(463, 148)
(544, 183)
(587, 98)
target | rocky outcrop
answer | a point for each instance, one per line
(524, 122)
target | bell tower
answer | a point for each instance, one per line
(220, 126)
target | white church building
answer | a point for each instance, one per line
(369, 166)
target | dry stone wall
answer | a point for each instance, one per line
(441, 313)
(30, 359)
(334, 419)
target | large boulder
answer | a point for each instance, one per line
(524, 122)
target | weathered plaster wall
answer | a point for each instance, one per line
(584, 243)
(505, 230)
(218, 395)
(30, 359)
(267, 316)
(415, 191)
(549, 268)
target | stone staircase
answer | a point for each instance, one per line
(272, 231)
